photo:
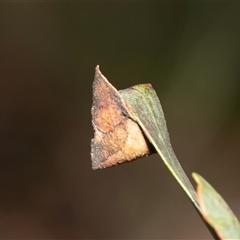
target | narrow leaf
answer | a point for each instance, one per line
(215, 210)
(144, 107)
(117, 116)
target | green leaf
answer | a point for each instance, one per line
(215, 210)
(144, 107)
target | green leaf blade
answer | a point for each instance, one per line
(215, 210)
(144, 107)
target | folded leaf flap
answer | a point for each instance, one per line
(144, 107)
(117, 138)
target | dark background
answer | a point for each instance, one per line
(190, 52)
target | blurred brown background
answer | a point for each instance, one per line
(190, 52)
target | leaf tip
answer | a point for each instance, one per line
(97, 68)
(194, 175)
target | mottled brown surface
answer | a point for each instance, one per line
(117, 138)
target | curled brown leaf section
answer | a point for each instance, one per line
(117, 138)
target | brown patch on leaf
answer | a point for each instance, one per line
(117, 138)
